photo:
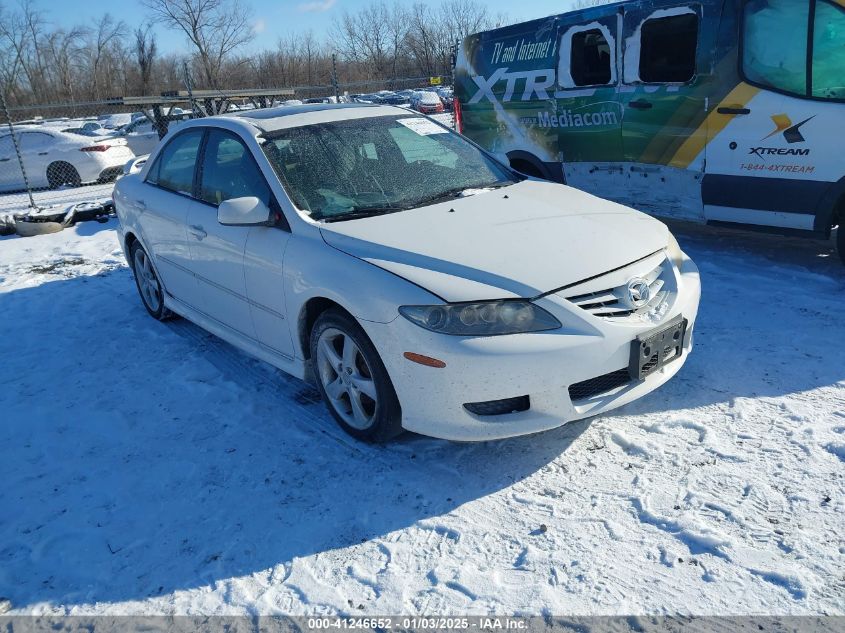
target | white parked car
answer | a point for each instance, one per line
(53, 158)
(420, 284)
(141, 135)
(115, 121)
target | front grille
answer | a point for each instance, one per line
(614, 302)
(598, 385)
(499, 407)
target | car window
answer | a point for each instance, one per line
(229, 171)
(667, 49)
(774, 44)
(174, 167)
(590, 59)
(34, 140)
(828, 71)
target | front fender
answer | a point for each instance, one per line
(314, 269)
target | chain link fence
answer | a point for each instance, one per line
(59, 161)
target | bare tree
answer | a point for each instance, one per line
(105, 34)
(374, 37)
(145, 54)
(216, 28)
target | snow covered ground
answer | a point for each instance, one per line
(150, 468)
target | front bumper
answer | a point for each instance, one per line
(541, 365)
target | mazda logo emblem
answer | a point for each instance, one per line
(638, 292)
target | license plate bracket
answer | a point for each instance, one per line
(656, 348)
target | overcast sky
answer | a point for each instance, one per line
(272, 18)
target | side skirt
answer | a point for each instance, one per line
(293, 366)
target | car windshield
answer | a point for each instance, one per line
(355, 168)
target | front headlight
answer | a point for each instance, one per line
(486, 318)
(674, 251)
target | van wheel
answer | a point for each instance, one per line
(352, 379)
(61, 173)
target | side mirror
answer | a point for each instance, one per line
(249, 211)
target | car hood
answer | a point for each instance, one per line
(520, 241)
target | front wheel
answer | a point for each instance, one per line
(352, 379)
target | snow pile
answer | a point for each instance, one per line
(150, 468)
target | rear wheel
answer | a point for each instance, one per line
(149, 286)
(61, 174)
(352, 379)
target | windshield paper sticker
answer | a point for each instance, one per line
(422, 126)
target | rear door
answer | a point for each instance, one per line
(664, 88)
(163, 205)
(662, 106)
(36, 152)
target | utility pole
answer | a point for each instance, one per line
(334, 78)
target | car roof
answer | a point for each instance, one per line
(270, 119)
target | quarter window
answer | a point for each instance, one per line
(667, 49)
(229, 171)
(590, 61)
(174, 167)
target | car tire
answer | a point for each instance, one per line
(353, 380)
(146, 280)
(61, 173)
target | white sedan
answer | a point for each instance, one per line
(52, 158)
(419, 283)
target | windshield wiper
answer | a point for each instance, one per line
(457, 191)
(360, 212)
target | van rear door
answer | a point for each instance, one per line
(665, 79)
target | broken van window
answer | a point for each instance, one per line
(668, 46)
(590, 62)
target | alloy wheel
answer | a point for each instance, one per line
(147, 281)
(347, 379)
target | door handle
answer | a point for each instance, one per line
(198, 232)
(141, 204)
(43, 153)
(5, 160)
(732, 110)
(640, 104)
